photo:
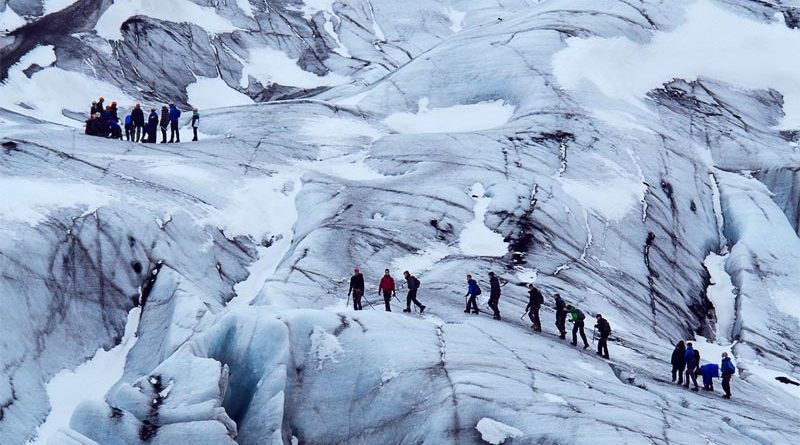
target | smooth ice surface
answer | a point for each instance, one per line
(477, 239)
(453, 119)
(9, 19)
(30, 200)
(722, 293)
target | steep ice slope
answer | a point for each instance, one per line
(614, 209)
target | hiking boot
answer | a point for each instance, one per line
(476, 312)
(562, 337)
(496, 317)
(605, 356)
(726, 396)
(585, 346)
(407, 310)
(695, 389)
(466, 311)
(422, 309)
(572, 343)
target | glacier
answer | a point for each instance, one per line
(638, 157)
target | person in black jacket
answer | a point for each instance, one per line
(413, 286)
(678, 362)
(113, 114)
(195, 122)
(164, 123)
(561, 317)
(152, 125)
(356, 288)
(494, 295)
(137, 120)
(604, 329)
(535, 302)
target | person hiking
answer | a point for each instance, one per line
(386, 287)
(195, 123)
(728, 370)
(357, 289)
(93, 109)
(688, 356)
(473, 290)
(413, 285)
(604, 329)
(678, 362)
(561, 317)
(163, 123)
(692, 368)
(100, 107)
(577, 318)
(535, 302)
(150, 130)
(494, 295)
(709, 371)
(128, 127)
(137, 120)
(174, 116)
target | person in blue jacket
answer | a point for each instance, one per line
(472, 292)
(174, 117)
(709, 371)
(688, 353)
(728, 370)
(693, 368)
(128, 127)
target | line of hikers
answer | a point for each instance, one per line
(104, 122)
(387, 288)
(685, 359)
(686, 364)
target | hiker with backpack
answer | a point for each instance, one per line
(386, 287)
(604, 329)
(728, 370)
(561, 317)
(138, 121)
(356, 288)
(535, 302)
(692, 366)
(473, 290)
(413, 285)
(174, 116)
(494, 295)
(577, 318)
(678, 362)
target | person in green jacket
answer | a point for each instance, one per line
(577, 317)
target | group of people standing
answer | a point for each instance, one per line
(686, 366)
(387, 289)
(104, 122)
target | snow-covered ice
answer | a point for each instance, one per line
(495, 432)
(453, 119)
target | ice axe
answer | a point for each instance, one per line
(368, 302)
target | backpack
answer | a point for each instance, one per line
(479, 290)
(416, 282)
(128, 120)
(581, 316)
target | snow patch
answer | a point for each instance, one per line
(477, 239)
(270, 66)
(246, 7)
(29, 201)
(456, 18)
(424, 259)
(455, 119)
(324, 346)
(10, 20)
(324, 130)
(177, 11)
(712, 42)
(89, 381)
(722, 294)
(611, 196)
(51, 6)
(208, 92)
(43, 95)
(495, 432)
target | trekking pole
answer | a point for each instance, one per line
(523, 315)
(368, 302)
(347, 303)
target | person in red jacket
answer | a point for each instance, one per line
(386, 287)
